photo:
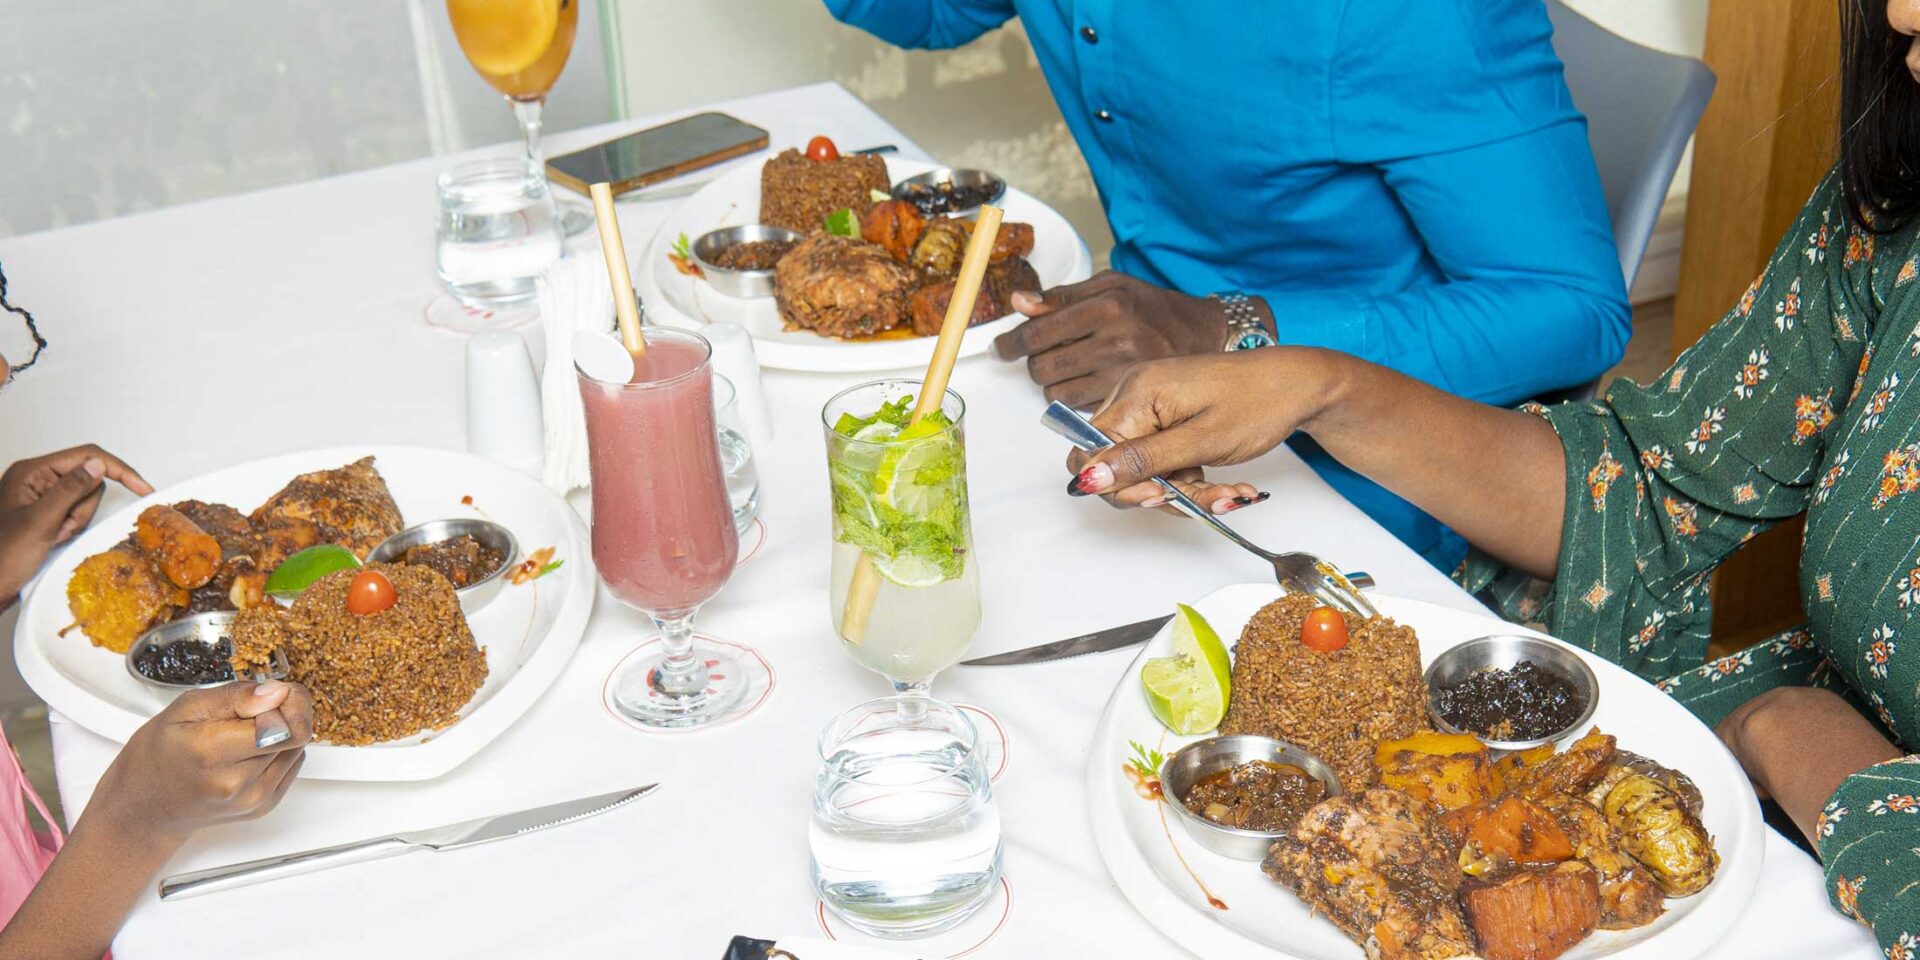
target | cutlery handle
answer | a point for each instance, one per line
(1079, 431)
(285, 865)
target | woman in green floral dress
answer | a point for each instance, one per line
(1601, 522)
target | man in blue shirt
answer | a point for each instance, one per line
(1403, 180)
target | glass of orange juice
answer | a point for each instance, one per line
(519, 47)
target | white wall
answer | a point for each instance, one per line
(110, 107)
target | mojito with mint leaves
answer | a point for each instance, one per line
(900, 502)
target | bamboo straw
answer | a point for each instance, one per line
(616, 252)
(933, 392)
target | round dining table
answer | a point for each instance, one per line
(216, 332)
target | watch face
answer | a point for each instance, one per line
(1249, 341)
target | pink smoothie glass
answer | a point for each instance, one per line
(663, 534)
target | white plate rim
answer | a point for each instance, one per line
(828, 356)
(449, 747)
(1200, 933)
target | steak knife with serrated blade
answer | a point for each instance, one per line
(1100, 641)
(450, 837)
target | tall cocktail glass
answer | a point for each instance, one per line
(900, 506)
(663, 534)
(520, 47)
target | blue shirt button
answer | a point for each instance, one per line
(1103, 116)
(1089, 35)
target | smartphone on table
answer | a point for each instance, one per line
(657, 153)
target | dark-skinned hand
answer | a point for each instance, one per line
(1081, 337)
(46, 500)
(198, 762)
(1173, 417)
(1769, 735)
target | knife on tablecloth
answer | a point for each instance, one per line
(450, 837)
(1100, 641)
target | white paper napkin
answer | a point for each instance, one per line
(573, 297)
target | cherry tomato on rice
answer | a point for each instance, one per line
(822, 150)
(1325, 630)
(370, 592)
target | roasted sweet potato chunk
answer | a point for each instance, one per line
(1511, 830)
(1447, 771)
(1518, 767)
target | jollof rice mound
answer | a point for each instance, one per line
(798, 193)
(1336, 705)
(378, 677)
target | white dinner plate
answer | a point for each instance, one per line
(529, 631)
(1150, 856)
(733, 199)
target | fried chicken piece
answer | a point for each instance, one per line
(183, 551)
(349, 506)
(1628, 896)
(928, 304)
(1534, 914)
(895, 225)
(841, 287)
(119, 594)
(1376, 865)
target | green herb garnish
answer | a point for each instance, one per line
(1147, 762)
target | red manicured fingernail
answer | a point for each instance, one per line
(1094, 479)
(1230, 504)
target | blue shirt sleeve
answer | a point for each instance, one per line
(925, 24)
(1533, 298)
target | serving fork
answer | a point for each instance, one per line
(1296, 571)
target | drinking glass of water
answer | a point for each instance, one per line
(498, 229)
(905, 839)
(736, 455)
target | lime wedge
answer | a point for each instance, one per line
(298, 572)
(908, 570)
(1188, 691)
(842, 223)
(893, 482)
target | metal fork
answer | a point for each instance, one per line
(1296, 571)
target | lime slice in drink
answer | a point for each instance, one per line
(909, 570)
(894, 483)
(298, 572)
(1188, 691)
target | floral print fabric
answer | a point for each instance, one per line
(1800, 400)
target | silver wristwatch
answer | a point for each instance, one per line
(1244, 331)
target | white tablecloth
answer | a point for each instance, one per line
(217, 332)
